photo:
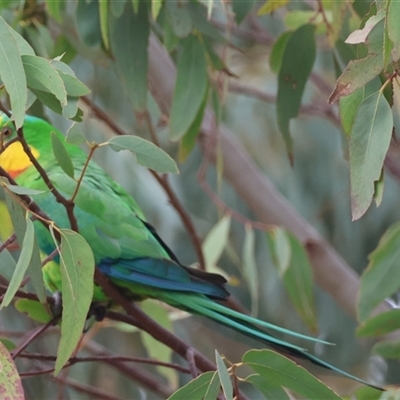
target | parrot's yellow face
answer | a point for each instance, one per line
(13, 159)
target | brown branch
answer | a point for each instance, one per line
(36, 333)
(105, 358)
(8, 242)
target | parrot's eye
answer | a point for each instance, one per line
(6, 132)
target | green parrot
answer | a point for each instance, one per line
(126, 248)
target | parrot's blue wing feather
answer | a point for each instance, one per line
(160, 273)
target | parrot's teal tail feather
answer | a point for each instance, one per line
(247, 325)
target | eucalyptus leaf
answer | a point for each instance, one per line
(77, 276)
(147, 154)
(12, 72)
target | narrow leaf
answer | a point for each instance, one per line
(271, 5)
(279, 370)
(10, 381)
(270, 390)
(22, 265)
(388, 349)
(147, 154)
(88, 22)
(381, 278)
(103, 14)
(12, 73)
(129, 36)
(224, 377)
(74, 135)
(291, 260)
(380, 324)
(215, 242)
(77, 274)
(393, 28)
(179, 18)
(61, 155)
(190, 88)
(195, 389)
(41, 75)
(293, 77)
(22, 223)
(278, 50)
(33, 309)
(359, 72)
(369, 142)
(250, 267)
(213, 388)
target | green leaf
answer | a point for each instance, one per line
(213, 388)
(7, 264)
(156, 6)
(155, 348)
(250, 267)
(147, 154)
(77, 275)
(61, 155)
(278, 50)
(41, 75)
(129, 37)
(188, 142)
(195, 389)
(22, 264)
(34, 310)
(54, 8)
(190, 88)
(388, 349)
(380, 324)
(280, 248)
(299, 284)
(9, 345)
(271, 5)
(369, 142)
(23, 226)
(216, 241)
(48, 99)
(12, 73)
(241, 9)
(279, 370)
(103, 15)
(224, 377)
(293, 77)
(74, 135)
(381, 278)
(73, 86)
(88, 22)
(359, 72)
(393, 29)
(20, 189)
(179, 18)
(24, 47)
(10, 381)
(270, 390)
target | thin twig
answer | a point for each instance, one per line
(94, 392)
(106, 358)
(37, 332)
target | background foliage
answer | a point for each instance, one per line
(281, 118)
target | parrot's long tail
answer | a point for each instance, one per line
(249, 326)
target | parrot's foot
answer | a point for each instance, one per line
(98, 311)
(56, 307)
